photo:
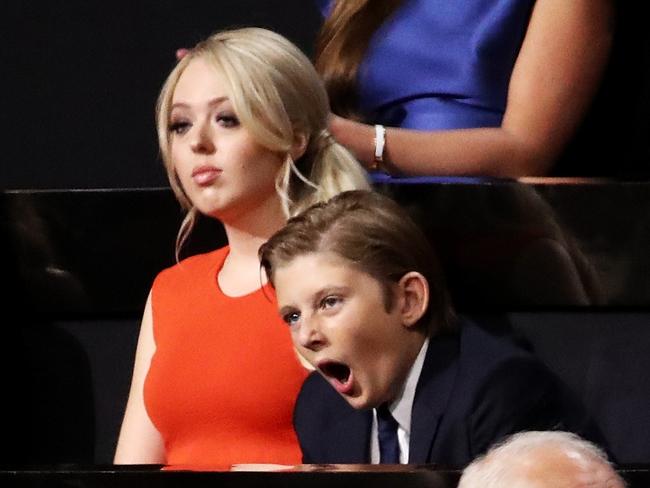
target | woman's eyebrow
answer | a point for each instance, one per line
(212, 102)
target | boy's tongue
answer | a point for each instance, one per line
(339, 375)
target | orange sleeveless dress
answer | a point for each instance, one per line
(223, 380)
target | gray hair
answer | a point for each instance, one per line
(517, 462)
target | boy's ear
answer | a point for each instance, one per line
(414, 297)
(299, 146)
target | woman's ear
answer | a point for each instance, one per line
(414, 297)
(299, 146)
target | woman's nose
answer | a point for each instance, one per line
(203, 139)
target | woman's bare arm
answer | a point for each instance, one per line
(555, 77)
(139, 441)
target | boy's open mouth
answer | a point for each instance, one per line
(339, 375)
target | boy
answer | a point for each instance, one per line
(400, 378)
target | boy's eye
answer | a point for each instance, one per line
(227, 119)
(330, 301)
(291, 318)
(179, 127)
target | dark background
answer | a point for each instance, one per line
(80, 80)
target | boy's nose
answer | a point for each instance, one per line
(310, 336)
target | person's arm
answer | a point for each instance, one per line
(554, 79)
(139, 441)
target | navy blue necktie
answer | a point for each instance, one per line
(387, 430)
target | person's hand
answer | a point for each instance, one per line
(336, 125)
(358, 138)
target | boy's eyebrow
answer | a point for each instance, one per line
(327, 290)
(316, 297)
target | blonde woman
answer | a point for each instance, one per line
(242, 130)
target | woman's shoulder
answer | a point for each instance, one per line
(192, 267)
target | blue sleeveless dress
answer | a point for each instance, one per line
(441, 64)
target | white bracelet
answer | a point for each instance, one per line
(380, 141)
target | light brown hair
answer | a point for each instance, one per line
(375, 235)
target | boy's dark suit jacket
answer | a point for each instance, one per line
(474, 389)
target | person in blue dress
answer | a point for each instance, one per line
(477, 87)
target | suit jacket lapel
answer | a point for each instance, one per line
(349, 438)
(434, 388)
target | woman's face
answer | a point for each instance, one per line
(223, 170)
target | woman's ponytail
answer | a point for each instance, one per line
(330, 168)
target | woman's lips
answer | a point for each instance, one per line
(205, 175)
(338, 374)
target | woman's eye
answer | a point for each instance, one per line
(227, 120)
(179, 127)
(291, 318)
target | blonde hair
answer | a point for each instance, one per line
(278, 96)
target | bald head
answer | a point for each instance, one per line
(542, 460)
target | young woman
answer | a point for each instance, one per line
(490, 88)
(242, 131)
